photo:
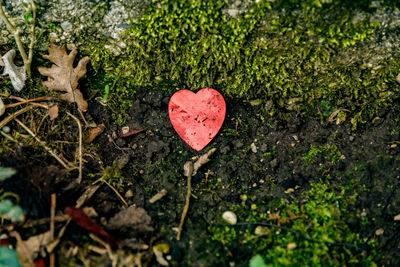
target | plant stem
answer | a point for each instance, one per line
(16, 33)
(188, 195)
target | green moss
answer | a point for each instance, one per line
(286, 51)
(112, 175)
(331, 154)
(321, 216)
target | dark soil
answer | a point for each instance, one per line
(153, 160)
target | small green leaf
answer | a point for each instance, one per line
(6, 173)
(257, 261)
(9, 210)
(8, 257)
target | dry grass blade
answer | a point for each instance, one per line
(14, 115)
(68, 165)
(189, 171)
(52, 215)
(79, 180)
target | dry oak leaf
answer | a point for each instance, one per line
(62, 76)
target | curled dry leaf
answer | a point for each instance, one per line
(28, 249)
(53, 112)
(17, 74)
(202, 160)
(62, 76)
(94, 132)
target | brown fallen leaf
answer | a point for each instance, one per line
(53, 112)
(28, 249)
(201, 161)
(94, 132)
(62, 76)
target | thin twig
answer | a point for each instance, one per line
(33, 223)
(52, 215)
(116, 192)
(188, 195)
(33, 37)
(20, 99)
(43, 98)
(14, 115)
(65, 165)
(16, 33)
(83, 118)
(79, 180)
(30, 101)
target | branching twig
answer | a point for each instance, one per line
(16, 33)
(26, 128)
(189, 166)
(80, 147)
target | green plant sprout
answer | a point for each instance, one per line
(106, 93)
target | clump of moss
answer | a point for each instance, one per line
(285, 51)
(321, 216)
(330, 152)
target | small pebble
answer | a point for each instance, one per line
(229, 217)
(363, 213)
(289, 190)
(291, 246)
(125, 129)
(397, 217)
(261, 230)
(6, 129)
(253, 148)
(129, 193)
(380, 231)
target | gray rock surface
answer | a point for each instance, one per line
(75, 21)
(83, 22)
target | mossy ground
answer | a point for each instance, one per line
(302, 81)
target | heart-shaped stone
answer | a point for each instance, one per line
(197, 117)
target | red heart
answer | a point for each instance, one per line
(198, 117)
